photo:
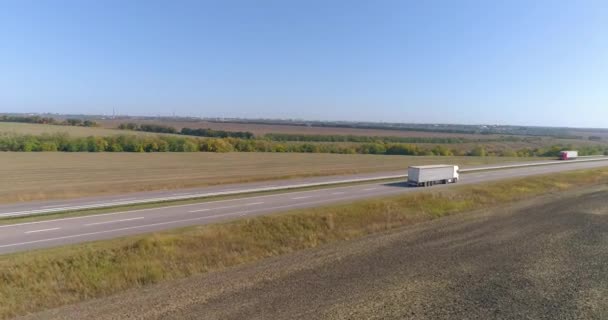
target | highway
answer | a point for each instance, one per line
(55, 206)
(33, 235)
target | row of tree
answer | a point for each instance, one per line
(217, 133)
(158, 128)
(48, 120)
(287, 137)
(385, 139)
(167, 143)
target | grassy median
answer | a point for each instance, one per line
(42, 279)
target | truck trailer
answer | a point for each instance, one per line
(568, 155)
(425, 176)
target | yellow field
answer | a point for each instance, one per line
(57, 175)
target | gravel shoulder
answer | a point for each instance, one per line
(541, 259)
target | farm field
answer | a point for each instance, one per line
(56, 175)
(497, 146)
(38, 129)
(108, 128)
(261, 129)
(492, 144)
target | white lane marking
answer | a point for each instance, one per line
(42, 230)
(170, 207)
(337, 193)
(227, 207)
(53, 206)
(369, 189)
(113, 221)
(124, 199)
(299, 198)
(165, 223)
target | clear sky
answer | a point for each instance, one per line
(505, 62)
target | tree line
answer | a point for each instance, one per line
(287, 137)
(49, 120)
(373, 139)
(158, 128)
(166, 143)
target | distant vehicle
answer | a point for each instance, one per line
(568, 155)
(425, 176)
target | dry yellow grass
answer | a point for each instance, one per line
(55, 175)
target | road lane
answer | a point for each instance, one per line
(113, 221)
(31, 235)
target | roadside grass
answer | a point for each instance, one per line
(32, 176)
(42, 279)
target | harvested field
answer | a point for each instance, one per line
(38, 129)
(261, 129)
(56, 175)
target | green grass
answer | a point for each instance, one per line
(42, 279)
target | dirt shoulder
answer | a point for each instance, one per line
(541, 259)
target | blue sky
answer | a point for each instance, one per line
(505, 62)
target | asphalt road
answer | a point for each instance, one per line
(32, 235)
(541, 259)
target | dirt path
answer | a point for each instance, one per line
(543, 260)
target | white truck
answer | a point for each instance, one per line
(568, 155)
(425, 176)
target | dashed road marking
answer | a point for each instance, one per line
(113, 221)
(42, 230)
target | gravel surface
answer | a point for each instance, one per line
(541, 259)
